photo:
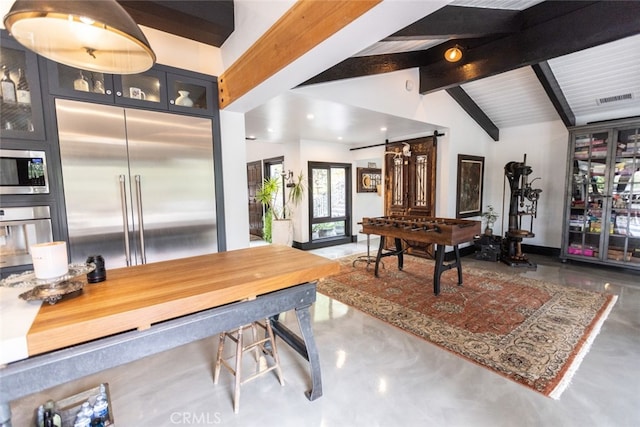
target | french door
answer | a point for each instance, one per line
(329, 202)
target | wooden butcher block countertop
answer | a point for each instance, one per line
(137, 297)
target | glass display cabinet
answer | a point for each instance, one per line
(191, 95)
(157, 88)
(146, 89)
(602, 214)
(20, 100)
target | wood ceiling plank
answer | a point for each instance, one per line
(300, 29)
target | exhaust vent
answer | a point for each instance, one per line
(616, 98)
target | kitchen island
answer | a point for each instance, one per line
(147, 309)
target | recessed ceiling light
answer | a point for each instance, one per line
(339, 138)
(310, 116)
(383, 129)
(269, 130)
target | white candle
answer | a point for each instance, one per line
(50, 259)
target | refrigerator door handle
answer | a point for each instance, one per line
(143, 255)
(125, 220)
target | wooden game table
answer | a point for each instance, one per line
(424, 230)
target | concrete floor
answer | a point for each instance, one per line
(377, 375)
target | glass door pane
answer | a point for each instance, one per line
(320, 190)
(275, 170)
(143, 89)
(589, 194)
(191, 94)
(65, 80)
(624, 240)
(338, 193)
(20, 100)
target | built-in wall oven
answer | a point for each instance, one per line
(21, 227)
(23, 172)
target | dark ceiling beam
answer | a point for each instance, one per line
(460, 22)
(378, 64)
(595, 24)
(374, 64)
(554, 92)
(209, 22)
(474, 111)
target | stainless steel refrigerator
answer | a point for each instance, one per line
(138, 185)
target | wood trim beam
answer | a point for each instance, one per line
(474, 111)
(589, 26)
(554, 92)
(305, 25)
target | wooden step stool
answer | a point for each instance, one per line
(264, 347)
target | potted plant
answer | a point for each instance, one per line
(278, 227)
(490, 216)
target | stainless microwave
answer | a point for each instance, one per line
(23, 172)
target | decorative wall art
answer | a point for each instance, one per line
(368, 179)
(469, 188)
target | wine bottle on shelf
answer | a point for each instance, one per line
(8, 86)
(81, 83)
(23, 93)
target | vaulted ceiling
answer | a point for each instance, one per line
(525, 61)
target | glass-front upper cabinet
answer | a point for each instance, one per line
(191, 95)
(144, 90)
(588, 194)
(156, 88)
(70, 81)
(624, 240)
(20, 102)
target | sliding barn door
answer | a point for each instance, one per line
(410, 181)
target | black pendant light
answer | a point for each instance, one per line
(96, 36)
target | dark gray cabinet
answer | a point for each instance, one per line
(20, 110)
(159, 88)
(602, 211)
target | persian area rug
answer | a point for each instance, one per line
(532, 332)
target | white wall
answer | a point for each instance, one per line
(234, 155)
(544, 143)
(366, 205)
(183, 53)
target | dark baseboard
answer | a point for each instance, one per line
(526, 249)
(325, 243)
(541, 250)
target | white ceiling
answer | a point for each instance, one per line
(509, 99)
(286, 118)
(603, 71)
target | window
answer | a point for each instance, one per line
(330, 201)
